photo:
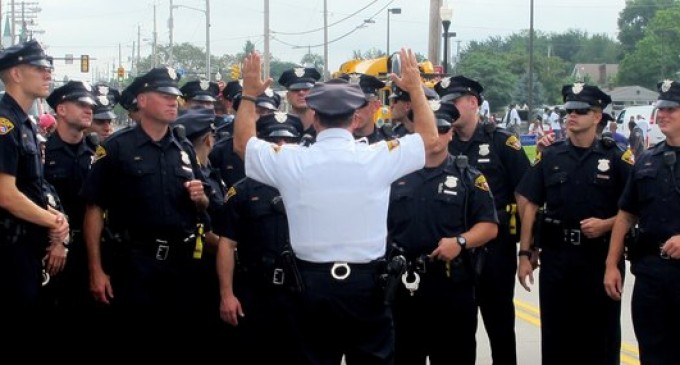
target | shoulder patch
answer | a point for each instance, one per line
(628, 157)
(513, 142)
(99, 153)
(230, 193)
(392, 144)
(6, 126)
(481, 184)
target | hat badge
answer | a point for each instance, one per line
(87, 86)
(354, 79)
(434, 105)
(172, 73)
(445, 82)
(299, 71)
(666, 85)
(269, 92)
(103, 100)
(103, 90)
(577, 88)
(280, 117)
(204, 84)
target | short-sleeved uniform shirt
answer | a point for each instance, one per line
(336, 191)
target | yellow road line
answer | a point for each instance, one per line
(625, 359)
(529, 318)
(527, 306)
(630, 348)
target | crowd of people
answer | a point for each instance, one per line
(228, 227)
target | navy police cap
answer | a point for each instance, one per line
(231, 89)
(28, 53)
(279, 124)
(368, 84)
(268, 100)
(582, 96)
(400, 95)
(106, 98)
(451, 88)
(160, 79)
(201, 90)
(299, 78)
(445, 113)
(335, 97)
(76, 91)
(197, 122)
(669, 94)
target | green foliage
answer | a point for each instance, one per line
(493, 73)
(635, 17)
(521, 95)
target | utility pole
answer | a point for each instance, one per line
(139, 46)
(120, 55)
(266, 39)
(207, 39)
(530, 102)
(434, 35)
(326, 73)
(155, 35)
(14, 22)
(171, 26)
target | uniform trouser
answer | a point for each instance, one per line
(20, 281)
(439, 321)
(580, 324)
(334, 317)
(655, 303)
(495, 293)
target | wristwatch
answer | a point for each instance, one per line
(461, 241)
(526, 253)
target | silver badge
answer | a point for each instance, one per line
(204, 84)
(87, 86)
(172, 73)
(451, 182)
(484, 149)
(103, 100)
(434, 105)
(354, 79)
(666, 85)
(577, 88)
(603, 165)
(299, 71)
(103, 90)
(280, 117)
(185, 158)
(269, 92)
(445, 82)
(51, 201)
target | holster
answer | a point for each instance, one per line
(391, 278)
(291, 271)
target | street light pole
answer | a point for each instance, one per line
(390, 11)
(446, 14)
(208, 73)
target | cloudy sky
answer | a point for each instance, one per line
(97, 27)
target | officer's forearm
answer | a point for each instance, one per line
(480, 234)
(521, 204)
(622, 224)
(244, 125)
(20, 206)
(225, 266)
(528, 219)
(93, 224)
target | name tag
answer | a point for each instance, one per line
(450, 192)
(484, 160)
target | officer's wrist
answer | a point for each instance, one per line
(525, 253)
(249, 98)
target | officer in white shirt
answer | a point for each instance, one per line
(336, 196)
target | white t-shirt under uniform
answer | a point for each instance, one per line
(336, 192)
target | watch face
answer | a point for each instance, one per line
(462, 241)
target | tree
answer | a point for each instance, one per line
(521, 95)
(492, 72)
(316, 60)
(276, 68)
(635, 17)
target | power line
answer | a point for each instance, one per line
(330, 25)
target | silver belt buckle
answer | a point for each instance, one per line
(574, 236)
(340, 271)
(278, 277)
(663, 254)
(162, 250)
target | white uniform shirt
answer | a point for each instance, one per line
(484, 109)
(555, 121)
(336, 192)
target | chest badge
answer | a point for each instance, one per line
(484, 149)
(603, 165)
(185, 158)
(51, 201)
(451, 182)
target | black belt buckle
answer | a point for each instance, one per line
(163, 250)
(573, 236)
(278, 277)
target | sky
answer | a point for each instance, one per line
(97, 27)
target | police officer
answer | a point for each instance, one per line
(129, 102)
(337, 235)
(298, 81)
(148, 182)
(25, 219)
(200, 94)
(580, 180)
(652, 199)
(499, 156)
(366, 127)
(68, 157)
(103, 117)
(400, 109)
(436, 216)
(259, 304)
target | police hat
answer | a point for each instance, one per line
(582, 96)
(127, 100)
(445, 113)
(106, 98)
(400, 95)
(196, 122)
(201, 90)
(669, 94)
(77, 91)
(268, 100)
(28, 53)
(451, 88)
(231, 89)
(335, 98)
(368, 84)
(279, 124)
(160, 79)
(299, 78)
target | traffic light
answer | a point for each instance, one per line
(235, 72)
(84, 63)
(121, 72)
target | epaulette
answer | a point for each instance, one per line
(120, 132)
(607, 141)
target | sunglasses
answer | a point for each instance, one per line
(579, 111)
(443, 130)
(286, 140)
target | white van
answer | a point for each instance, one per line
(648, 112)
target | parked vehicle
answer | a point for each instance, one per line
(654, 135)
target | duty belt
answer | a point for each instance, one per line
(557, 233)
(649, 244)
(161, 247)
(341, 270)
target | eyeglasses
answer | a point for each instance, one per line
(443, 130)
(579, 111)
